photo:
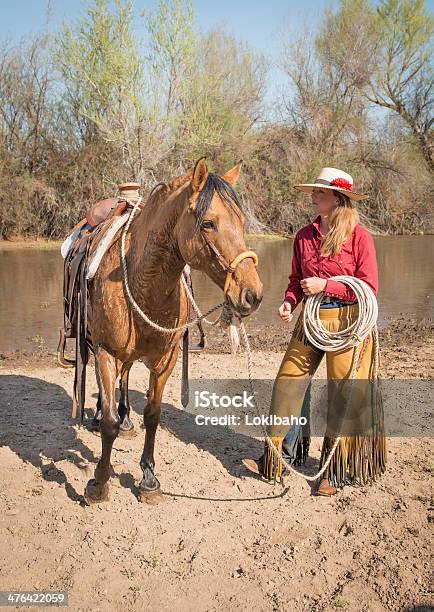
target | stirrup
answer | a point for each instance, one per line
(63, 361)
(196, 348)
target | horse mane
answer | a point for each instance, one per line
(215, 183)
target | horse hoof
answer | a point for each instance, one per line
(95, 493)
(152, 498)
(92, 425)
(127, 433)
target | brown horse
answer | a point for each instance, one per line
(197, 220)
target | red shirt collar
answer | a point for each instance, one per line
(316, 224)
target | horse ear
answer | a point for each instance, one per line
(233, 174)
(200, 174)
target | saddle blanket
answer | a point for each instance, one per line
(95, 259)
(69, 241)
(105, 243)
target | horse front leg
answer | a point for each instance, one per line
(149, 488)
(126, 427)
(107, 369)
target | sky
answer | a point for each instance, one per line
(260, 23)
(255, 21)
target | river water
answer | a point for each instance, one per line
(31, 286)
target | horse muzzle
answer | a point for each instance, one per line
(249, 301)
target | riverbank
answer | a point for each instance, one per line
(407, 345)
(20, 242)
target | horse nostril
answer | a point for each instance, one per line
(250, 297)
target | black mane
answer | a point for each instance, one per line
(226, 192)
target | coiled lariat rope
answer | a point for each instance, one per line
(316, 333)
(353, 335)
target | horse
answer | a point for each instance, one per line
(195, 219)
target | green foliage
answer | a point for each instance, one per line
(383, 55)
(172, 47)
(221, 100)
(99, 59)
(346, 41)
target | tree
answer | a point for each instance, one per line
(26, 108)
(385, 54)
(222, 97)
(403, 77)
(172, 47)
(323, 104)
(99, 60)
(210, 86)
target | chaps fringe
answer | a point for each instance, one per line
(272, 468)
(359, 459)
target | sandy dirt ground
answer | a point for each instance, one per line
(220, 539)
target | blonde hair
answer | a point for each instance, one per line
(342, 221)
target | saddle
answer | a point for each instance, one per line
(86, 237)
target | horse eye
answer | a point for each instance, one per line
(208, 225)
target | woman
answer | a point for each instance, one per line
(333, 244)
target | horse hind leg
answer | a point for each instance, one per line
(94, 423)
(149, 488)
(106, 372)
(126, 427)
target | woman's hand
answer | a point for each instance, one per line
(313, 285)
(285, 312)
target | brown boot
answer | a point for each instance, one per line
(325, 489)
(254, 465)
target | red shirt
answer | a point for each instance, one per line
(357, 258)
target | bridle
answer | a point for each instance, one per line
(229, 268)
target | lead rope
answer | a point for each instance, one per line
(353, 336)
(225, 319)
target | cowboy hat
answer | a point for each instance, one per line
(332, 178)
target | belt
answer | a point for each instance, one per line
(330, 302)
